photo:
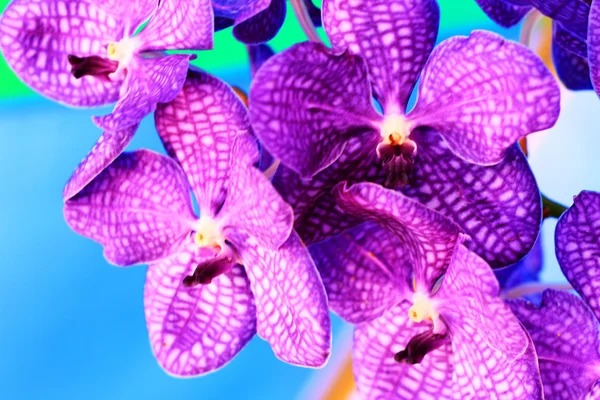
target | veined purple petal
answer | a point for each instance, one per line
(565, 333)
(577, 239)
(525, 271)
(262, 26)
(498, 206)
(567, 40)
(252, 204)
(379, 376)
(139, 209)
(314, 12)
(395, 37)
(36, 37)
(484, 93)
(104, 152)
(150, 81)
(198, 128)
(428, 237)
(307, 97)
(291, 304)
(238, 9)
(593, 39)
(179, 25)
(132, 12)
(572, 69)
(258, 55)
(573, 14)
(364, 272)
(195, 330)
(502, 12)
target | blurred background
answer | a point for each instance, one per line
(72, 326)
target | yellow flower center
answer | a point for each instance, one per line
(395, 129)
(208, 233)
(122, 51)
(423, 308)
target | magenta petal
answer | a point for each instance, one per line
(502, 12)
(139, 209)
(394, 37)
(198, 128)
(104, 152)
(593, 40)
(197, 330)
(151, 81)
(262, 26)
(179, 25)
(428, 237)
(364, 272)
(483, 93)
(498, 206)
(132, 12)
(309, 97)
(252, 204)
(291, 304)
(577, 239)
(566, 337)
(379, 376)
(36, 38)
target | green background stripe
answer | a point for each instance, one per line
(229, 53)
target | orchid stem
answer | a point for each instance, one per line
(534, 288)
(303, 18)
(551, 208)
(531, 20)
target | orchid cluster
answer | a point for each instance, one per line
(331, 189)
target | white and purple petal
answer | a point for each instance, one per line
(139, 209)
(37, 36)
(195, 330)
(577, 240)
(379, 376)
(483, 93)
(133, 13)
(198, 129)
(104, 152)
(150, 81)
(292, 313)
(364, 272)
(566, 338)
(309, 97)
(395, 37)
(427, 236)
(179, 25)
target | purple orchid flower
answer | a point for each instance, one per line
(213, 281)
(570, 33)
(254, 21)
(454, 151)
(565, 329)
(429, 323)
(85, 54)
(524, 272)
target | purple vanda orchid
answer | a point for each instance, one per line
(565, 329)
(312, 108)
(215, 280)
(254, 21)
(429, 323)
(84, 53)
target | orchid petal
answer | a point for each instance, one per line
(291, 304)
(573, 14)
(262, 26)
(484, 93)
(568, 41)
(577, 239)
(252, 204)
(198, 128)
(428, 237)
(395, 37)
(199, 329)
(566, 337)
(133, 12)
(572, 69)
(314, 12)
(258, 55)
(179, 25)
(139, 209)
(503, 13)
(593, 39)
(498, 206)
(364, 272)
(527, 270)
(307, 97)
(150, 81)
(379, 376)
(36, 37)
(104, 152)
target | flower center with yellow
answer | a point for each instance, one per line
(423, 308)
(208, 233)
(395, 130)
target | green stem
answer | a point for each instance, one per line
(303, 18)
(551, 208)
(534, 288)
